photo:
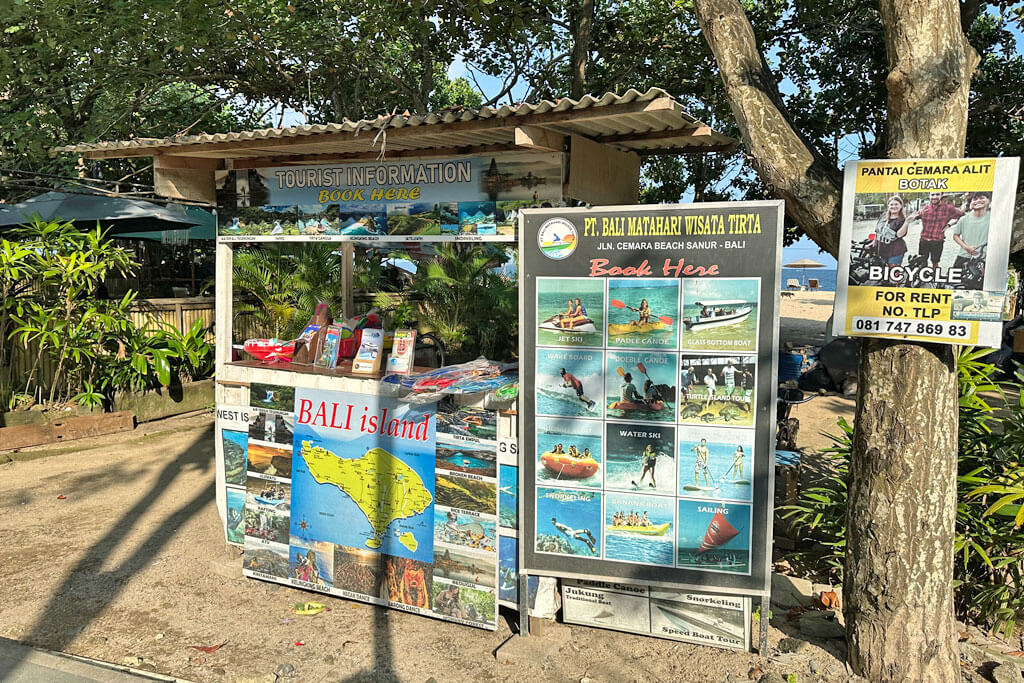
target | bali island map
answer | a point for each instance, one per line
(384, 488)
(361, 489)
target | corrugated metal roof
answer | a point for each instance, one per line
(659, 122)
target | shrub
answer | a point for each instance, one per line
(989, 545)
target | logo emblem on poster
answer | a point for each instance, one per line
(557, 238)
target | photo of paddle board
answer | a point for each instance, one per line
(713, 537)
(717, 390)
(640, 386)
(640, 457)
(643, 313)
(569, 452)
(720, 314)
(639, 528)
(563, 322)
(716, 463)
(570, 383)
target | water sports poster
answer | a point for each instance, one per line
(367, 501)
(924, 247)
(647, 422)
(448, 199)
(701, 618)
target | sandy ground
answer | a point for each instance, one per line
(113, 549)
(116, 551)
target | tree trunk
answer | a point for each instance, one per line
(902, 505)
(898, 580)
(902, 508)
(582, 26)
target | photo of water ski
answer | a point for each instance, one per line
(569, 452)
(570, 383)
(639, 528)
(716, 463)
(713, 537)
(570, 311)
(717, 390)
(641, 386)
(568, 522)
(643, 313)
(721, 314)
(640, 457)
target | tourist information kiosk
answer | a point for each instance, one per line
(311, 459)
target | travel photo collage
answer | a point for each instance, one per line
(644, 429)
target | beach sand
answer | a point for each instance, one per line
(802, 322)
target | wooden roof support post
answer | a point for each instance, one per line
(532, 137)
(187, 178)
(599, 174)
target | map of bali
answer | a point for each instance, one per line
(383, 487)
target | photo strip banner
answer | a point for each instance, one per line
(924, 247)
(649, 393)
(436, 200)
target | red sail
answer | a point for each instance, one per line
(719, 533)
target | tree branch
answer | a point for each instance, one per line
(791, 167)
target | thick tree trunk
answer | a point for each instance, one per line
(902, 505)
(583, 12)
(902, 509)
(898, 581)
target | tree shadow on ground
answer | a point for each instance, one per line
(88, 591)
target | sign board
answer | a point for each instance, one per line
(924, 249)
(429, 200)
(648, 363)
(359, 496)
(701, 618)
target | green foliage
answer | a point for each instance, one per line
(279, 286)
(472, 308)
(92, 344)
(989, 546)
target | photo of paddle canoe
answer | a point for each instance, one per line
(643, 313)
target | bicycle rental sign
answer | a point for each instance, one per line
(924, 248)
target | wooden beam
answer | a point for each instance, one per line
(188, 163)
(660, 104)
(264, 162)
(67, 429)
(693, 131)
(602, 175)
(533, 137)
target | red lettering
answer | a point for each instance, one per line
(304, 406)
(334, 416)
(681, 268)
(597, 267)
(321, 415)
(393, 428)
(348, 418)
(372, 424)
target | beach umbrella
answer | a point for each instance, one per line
(121, 215)
(803, 264)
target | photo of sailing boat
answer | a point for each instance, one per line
(713, 537)
(720, 315)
